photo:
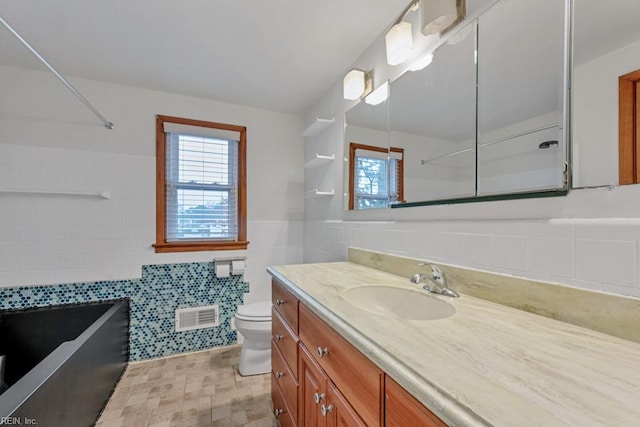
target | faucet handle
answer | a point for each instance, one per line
(436, 273)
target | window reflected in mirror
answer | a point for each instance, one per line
(376, 176)
(369, 181)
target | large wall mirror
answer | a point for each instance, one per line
(432, 116)
(606, 45)
(486, 118)
(366, 151)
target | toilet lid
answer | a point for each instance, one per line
(257, 311)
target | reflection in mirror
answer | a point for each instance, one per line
(371, 178)
(606, 45)
(432, 117)
(521, 144)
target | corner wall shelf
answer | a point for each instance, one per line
(318, 193)
(317, 126)
(318, 160)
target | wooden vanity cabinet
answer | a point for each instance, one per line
(402, 409)
(341, 413)
(322, 404)
(357, 378)
(320, 379)
(284, 356)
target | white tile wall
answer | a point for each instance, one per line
(54, 239)
(597, 254)
(49, 239)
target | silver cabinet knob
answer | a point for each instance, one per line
(279, 302)
(277, 412)
(278, 337)
(278, 375)
(326, 409)
(318, 397)
(322, 351)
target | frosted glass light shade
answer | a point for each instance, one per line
(437, 15)
(379, 95)
(422, 62)
(353, 84)
(399, 42)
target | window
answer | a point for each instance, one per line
(376, 176)
(629, 128)
(200, 186)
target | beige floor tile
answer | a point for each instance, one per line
(200, 389)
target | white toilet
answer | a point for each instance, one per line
(253, 321)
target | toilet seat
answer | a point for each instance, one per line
(255, 312)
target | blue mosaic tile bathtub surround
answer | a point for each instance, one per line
(153, 301)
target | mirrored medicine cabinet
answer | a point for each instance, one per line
(487, 118)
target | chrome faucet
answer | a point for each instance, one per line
(434, 282)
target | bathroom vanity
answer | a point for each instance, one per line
(336, 363)
(320, 379)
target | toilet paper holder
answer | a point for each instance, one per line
(225, 266)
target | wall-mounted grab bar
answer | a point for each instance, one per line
(64, 81)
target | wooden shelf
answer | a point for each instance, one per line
(318, 160)
(317, 126)
(318, 193)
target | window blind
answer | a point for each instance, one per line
(201, 184)
(371, 177)
(377, 178)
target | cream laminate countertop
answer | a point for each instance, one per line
(488, 364)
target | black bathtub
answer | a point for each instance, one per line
(62, 362)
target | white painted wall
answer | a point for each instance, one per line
(49, 141)
(588, 239)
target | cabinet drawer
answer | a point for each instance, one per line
(280, 410)
(286, 304)
(287, 382)
(285, 340)
(402, 409)
(357, 378)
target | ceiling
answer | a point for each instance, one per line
(280, 55)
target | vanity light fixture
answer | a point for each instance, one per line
(422, 62)
(438, 16)
(357, 84)
(399, 39)
(399, 42)
(379, 95)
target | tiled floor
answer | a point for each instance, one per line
(197, 389)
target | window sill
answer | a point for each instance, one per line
(200, 246)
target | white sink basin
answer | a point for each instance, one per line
(401, 303)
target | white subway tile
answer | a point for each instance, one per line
(608, 229)
(6, 280)
(478, 249)
(552, 256)
(23, 278)
(510, 252)
(612, 262)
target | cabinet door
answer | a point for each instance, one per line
(338, 411)
(358, 379)
(403, 410)
(313, 391)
